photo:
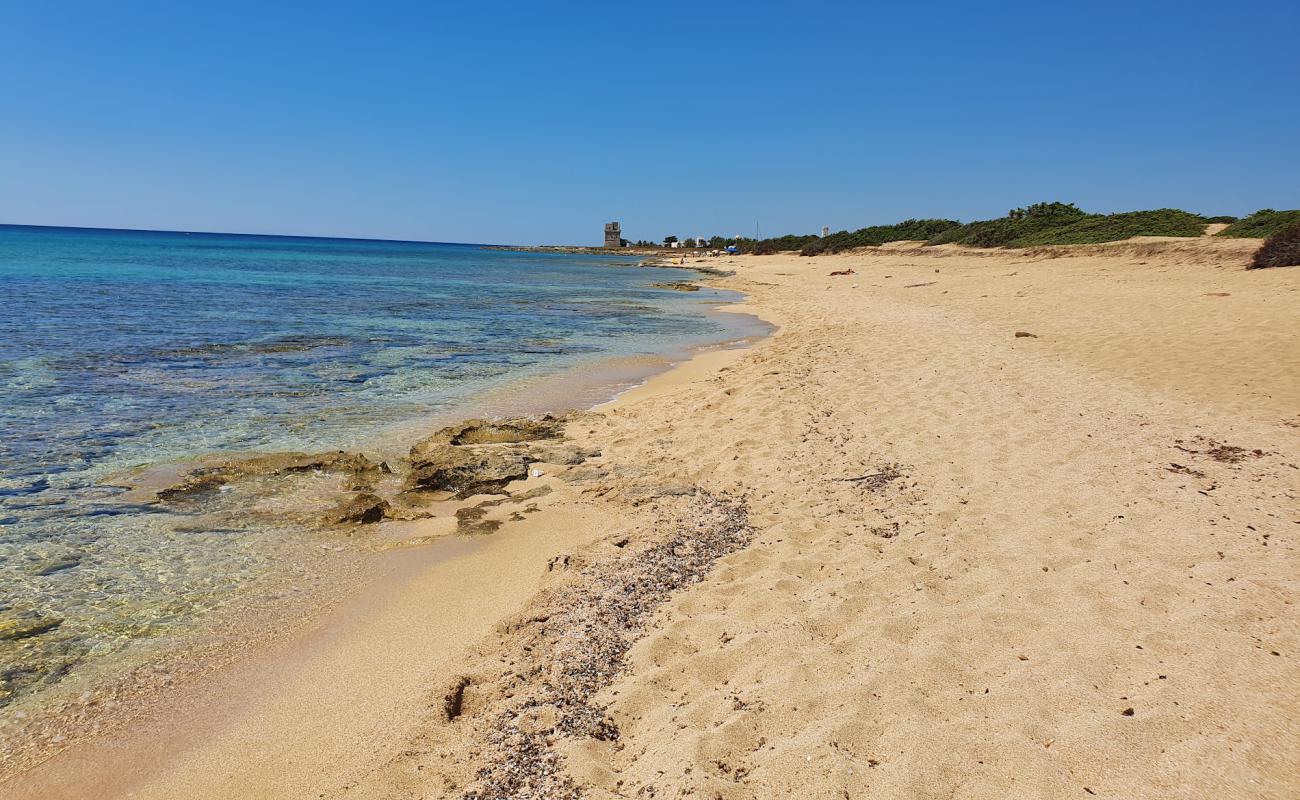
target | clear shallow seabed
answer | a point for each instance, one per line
(125, 348)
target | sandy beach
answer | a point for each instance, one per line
(970, 524)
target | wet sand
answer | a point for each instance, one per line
(895, 550)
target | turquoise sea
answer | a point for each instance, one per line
(127, 348)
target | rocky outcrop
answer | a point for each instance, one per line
(220, 472)
(472, 458)
(464, 471)
(562, 454)
(505, 431)
(482, 457)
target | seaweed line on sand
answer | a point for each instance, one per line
(580, 648)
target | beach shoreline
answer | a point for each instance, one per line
(975, 483)
(281, 617)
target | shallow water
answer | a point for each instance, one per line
(123, 348)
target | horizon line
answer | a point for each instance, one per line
(265, 235)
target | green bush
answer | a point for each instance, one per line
(876, 235)
(1282, 249)
(1114, 227)
(1017, 224)
(1033, 226)
(781, 243)
(1261, 224)
(1065, 223)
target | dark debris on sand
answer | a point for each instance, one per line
(1219, 451)
(581, 646)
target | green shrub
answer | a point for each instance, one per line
(876, 235)
(781, 243)
(1282, 249)
(1033, 226)
(1065, 223)
(1261, 224)
(1017, 224)
(1114, 227)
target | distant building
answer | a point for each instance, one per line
(613, 235)
(826, 231)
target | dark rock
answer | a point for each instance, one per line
(198, 482)
(1025, 335)
(362, 508)
(470, 522)
(677, 286)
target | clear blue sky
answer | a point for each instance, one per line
(538, 122)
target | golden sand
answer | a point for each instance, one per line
(984, 565)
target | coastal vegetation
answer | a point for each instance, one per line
(1037, 225)
(1040, 224)
(1282, 249)
(1114, 227)
(1262, 224)
(876, 235)
(1065, 223)
(780, 244)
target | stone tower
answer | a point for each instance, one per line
(613, 235)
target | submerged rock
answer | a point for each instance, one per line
(339, 461)
(677, 286)
(13, 626)
(197, 482)
(219, 472)
(49, 566)
(362, 508)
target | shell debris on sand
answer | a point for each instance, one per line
(579, 648)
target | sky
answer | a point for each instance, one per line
(532, 122)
